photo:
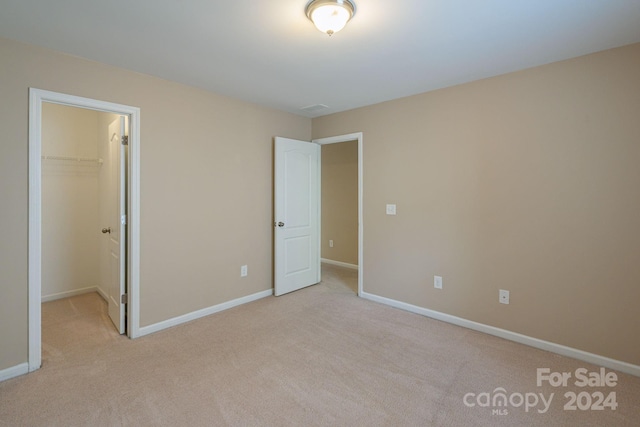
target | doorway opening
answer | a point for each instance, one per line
(297, 212)
(341, 207)
(339, 214)
(83, 177)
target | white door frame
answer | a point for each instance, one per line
(36, 98)
(345, 138)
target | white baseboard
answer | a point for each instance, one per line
(146, 330)
(67, 294)
(102, 293)
(339, 263)
(14, 371)
(511, 336)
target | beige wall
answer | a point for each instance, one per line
(206, 186)
(340, 202)
(70, 226)
(527, 182)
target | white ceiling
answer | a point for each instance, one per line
(268, 52)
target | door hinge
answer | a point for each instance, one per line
(123, 220)
(125, 139)
(124, 298)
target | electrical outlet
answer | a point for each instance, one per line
(391, 209)
(503, 296)
(330, 243)
(244, 271)
(437, 282)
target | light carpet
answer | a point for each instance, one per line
(318, 356)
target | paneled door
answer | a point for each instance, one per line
(113, 195)
(297, 215)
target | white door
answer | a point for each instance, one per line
(115, 228)
(297, 215)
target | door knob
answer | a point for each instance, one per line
(106, 230)
(281, 224)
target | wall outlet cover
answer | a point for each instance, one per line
(503, 296)
(437, 282)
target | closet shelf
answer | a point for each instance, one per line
(74, 159)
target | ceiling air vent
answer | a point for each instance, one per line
(314, 108)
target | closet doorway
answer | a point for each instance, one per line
(84, 174)
(83, 207)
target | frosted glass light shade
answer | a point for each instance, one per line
(330, 16)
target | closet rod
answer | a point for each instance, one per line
(75, 159)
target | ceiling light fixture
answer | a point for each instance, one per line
(330, 16)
